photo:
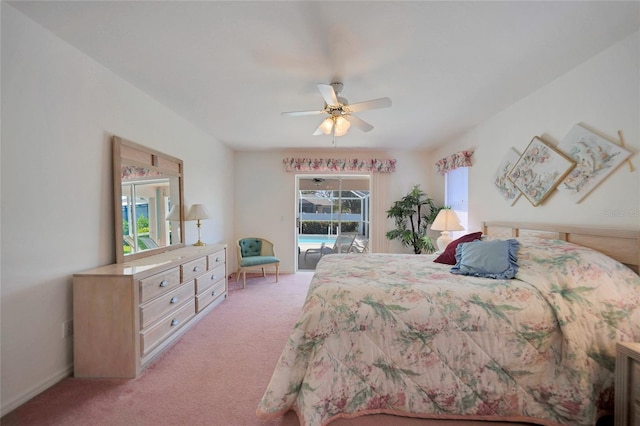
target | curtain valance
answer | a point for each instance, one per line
(452, 162)
(339, 165)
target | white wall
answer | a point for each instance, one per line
(603, 94)
(59, 109)
(265, 195)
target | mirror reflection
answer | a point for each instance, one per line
(148, 194)
(145, 214)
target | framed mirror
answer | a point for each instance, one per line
(148, 201)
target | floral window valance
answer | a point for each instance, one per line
(338, 165)
(452, 162)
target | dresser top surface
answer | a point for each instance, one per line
(156, 262)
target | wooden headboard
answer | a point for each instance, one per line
(620, 244)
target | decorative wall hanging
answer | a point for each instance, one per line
(452, 162)
(501, 180)
(595, 157)
(338, 165)
(539, 170)
(621, 136)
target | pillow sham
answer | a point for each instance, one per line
(489, 259)
(448, 256)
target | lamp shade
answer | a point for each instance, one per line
(339, 125)
(197, 212)
(447, 220)
(326, 126)
(174, 213)
(342, 126)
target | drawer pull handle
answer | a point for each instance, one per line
(174, 300)
(163, 283)
(196, 269)
(213, 293)
(213, 277)
(175, 322)
(217, 259)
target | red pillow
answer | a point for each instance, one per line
(448, 256)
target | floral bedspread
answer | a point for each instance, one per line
(400, 334)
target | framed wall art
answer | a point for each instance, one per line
(501, 180)
(539, 170)
(595, 157)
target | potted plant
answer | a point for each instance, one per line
(412, 215)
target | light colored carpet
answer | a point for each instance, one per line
(215, 374)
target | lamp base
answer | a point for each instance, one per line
(443, 240)
(199, 243)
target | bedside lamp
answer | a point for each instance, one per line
(198, 212)
(447, 220)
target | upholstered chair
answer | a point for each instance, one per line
(253, 253)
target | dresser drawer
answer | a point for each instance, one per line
(165, 303)
(155, 285)
(216, 259)
(194, 268)
(205, 298)
(205, 281)
(165, 327)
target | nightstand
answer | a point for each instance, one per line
(627, 412)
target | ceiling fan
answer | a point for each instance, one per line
(340, 112)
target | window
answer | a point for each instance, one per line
(456, 196)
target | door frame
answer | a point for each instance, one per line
(328, 176)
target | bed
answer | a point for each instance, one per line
(402, 335)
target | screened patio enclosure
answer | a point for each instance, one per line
(330, 208)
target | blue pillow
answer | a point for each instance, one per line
(489, 259)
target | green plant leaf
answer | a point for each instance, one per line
(412, 215)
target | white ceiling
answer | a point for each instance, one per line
(231, 68)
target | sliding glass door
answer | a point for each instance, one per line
(332, 216)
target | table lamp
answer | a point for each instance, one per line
(446, 220)
(198, 212)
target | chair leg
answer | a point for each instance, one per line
(277, 266)
(244, 279)
(264, 273)
(238, 275)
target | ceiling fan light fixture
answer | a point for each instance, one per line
(326, 126)
(342, 126)
(340, 112)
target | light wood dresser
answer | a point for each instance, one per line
(627, 411)
(126, 314)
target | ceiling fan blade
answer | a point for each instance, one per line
(372, 104)
(358, 122)
(299, 113)
(328, 94)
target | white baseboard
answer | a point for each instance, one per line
(35, 390)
